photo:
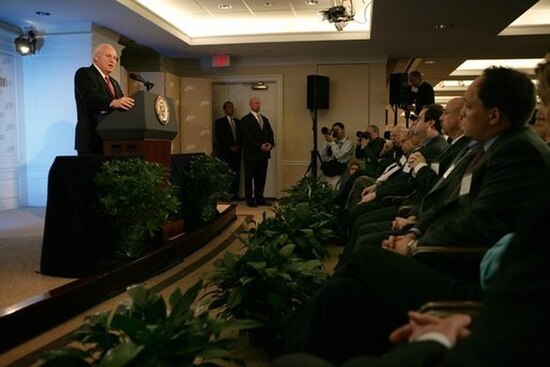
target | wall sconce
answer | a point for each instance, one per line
(259, 86)
(25, 44)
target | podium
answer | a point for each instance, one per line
(145, 131)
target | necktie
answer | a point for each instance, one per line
(110, 85)
(260, 121)
(476, 157)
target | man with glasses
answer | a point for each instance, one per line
(96, 94)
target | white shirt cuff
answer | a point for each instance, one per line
(418, 167)
(434, 336)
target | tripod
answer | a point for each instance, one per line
(315, 156)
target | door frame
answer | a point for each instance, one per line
(278, 80)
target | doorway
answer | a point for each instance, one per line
(239, 91)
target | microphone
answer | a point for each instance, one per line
(140, 79)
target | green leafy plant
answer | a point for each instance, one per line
(319, 194)
(143, 333)
(138, 197)
(266, 283)
(208, 180)
(300, 225)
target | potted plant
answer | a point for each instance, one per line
(318, 193)
(143, 332)
(138, 197)
(207, 181)
(309, 230)
(266, 283)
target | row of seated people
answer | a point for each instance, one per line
(475, 198)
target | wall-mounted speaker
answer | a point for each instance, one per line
(317, 92)
(399, 88)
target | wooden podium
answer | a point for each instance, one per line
(146, 131)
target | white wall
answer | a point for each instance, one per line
(13, 182)
(50, 111)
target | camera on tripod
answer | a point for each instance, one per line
(363, 134)
(326, 131)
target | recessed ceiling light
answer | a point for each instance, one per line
(429, 62)
(224, 6)
(268, 4)
(42, 13)
(311, 2)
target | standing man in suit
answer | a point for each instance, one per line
(228, 144)
(421, 93)
(258, 141)
(96, 94)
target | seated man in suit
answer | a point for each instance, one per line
(372, 293)
(425, 176)
(427, 130)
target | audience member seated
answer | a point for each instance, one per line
(542, 125)
(401, 183)
(368, 147)
(372, 293)
(425, 177)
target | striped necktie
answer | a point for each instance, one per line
(110, 85)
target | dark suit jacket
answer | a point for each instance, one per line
(92, 102)
(224, 138)
(253, 137)
(512, 327)
(426, 177)
(501, 181)
(425, 96)
(371, 153)
(403, 183)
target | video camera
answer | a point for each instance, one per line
(363, 135)
(326, 131)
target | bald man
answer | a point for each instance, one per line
(258, 141)
(96, 94)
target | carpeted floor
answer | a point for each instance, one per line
(20, 245)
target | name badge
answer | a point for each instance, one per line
(435, 167)
(407, 168)
(403, 160)
(465, 185)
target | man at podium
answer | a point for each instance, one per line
(96, 94)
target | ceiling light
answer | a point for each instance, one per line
(429, 62)
(267, 4)
(25, 44)
(42, 13)
(224, 6)
(476, 67)
(311, 2)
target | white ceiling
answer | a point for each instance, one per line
(403, 31)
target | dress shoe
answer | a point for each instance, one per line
(251, 204)
(263, 202)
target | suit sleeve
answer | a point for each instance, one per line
(512, 172)
(90, 92)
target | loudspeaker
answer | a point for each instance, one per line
(317, 92)
(399, 88)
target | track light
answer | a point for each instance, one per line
(25, 44)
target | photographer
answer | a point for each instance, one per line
(336, 152)
(369, 145)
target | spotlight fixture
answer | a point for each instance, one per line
(339, 14)
(25, 44)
